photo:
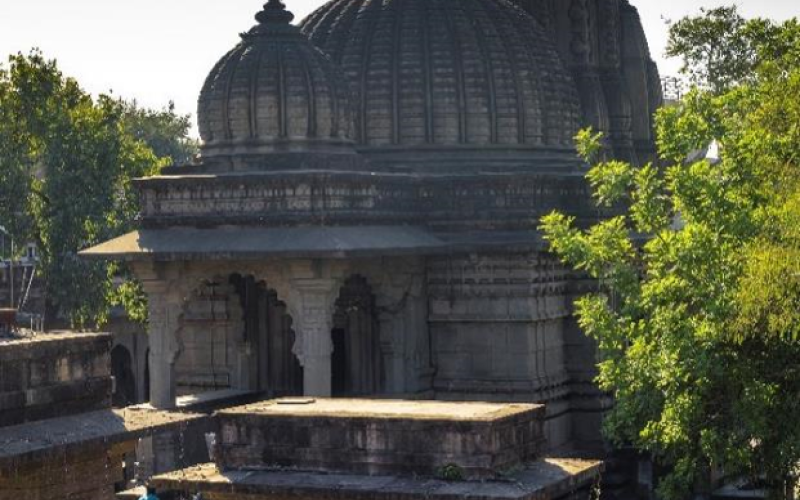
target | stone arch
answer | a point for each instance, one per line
(357, 367)
(236, 332)
(270, 336)
(398, 284)
(125, 380)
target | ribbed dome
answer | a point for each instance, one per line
(439, 76)
(275, 93)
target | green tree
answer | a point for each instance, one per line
(164, 131)
(696, 311)
(66, 165)
(721, 49)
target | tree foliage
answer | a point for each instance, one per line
(721, 49)
(66, 165)
(163, 130)
(698, 322)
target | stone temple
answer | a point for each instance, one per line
(362, 221)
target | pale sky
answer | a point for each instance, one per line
(158, 51)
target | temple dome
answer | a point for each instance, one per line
(466, 81)
(275, 93)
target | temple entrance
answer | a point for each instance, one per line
(268, 330)
(356, 364)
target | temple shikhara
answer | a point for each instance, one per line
(362, 224)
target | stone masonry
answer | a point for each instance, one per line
(80, 457)
(53, 375)
(381, 449)
(387, 437)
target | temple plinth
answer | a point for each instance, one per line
(374, 437)
(359, 448)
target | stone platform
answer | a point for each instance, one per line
(81, 456)
(557, 479)
(378, 437)
(35, 441)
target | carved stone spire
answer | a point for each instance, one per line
(274, 95)
(274, 13)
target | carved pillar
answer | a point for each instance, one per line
(164, 309)
(392, 348)
(312, 310)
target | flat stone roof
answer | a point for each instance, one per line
(30, 347)
(542, 480)
(180, 243)
(383, 409)
(38, 440)
(54, 336)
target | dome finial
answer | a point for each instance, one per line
(274, 13)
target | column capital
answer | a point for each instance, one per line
(311, 304)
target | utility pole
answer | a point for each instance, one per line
(10, 266)
(11, 273)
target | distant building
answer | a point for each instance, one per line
(20, 288)
(674, 89)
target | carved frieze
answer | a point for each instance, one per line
(504, 201)
(497, 288)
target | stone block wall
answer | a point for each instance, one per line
(475, 440)
(497, 324)
(211, 338)
(54, 375)
(88, 475)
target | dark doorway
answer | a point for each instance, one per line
(356, 364)
(284, 374)
(147, 375)
(339, 362)
(268, 329)
(125, 382)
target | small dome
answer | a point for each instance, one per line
(435, 77)
(275, 93)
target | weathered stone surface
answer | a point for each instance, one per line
(276, 93)
(543, 480)
(88, 475)
(426, 78)
(81, 456)
(438, 202)
(28, 445)
(224, 243)
(470, 75)
(380, 436)
(55, 374)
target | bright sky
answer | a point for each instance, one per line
(158, 51)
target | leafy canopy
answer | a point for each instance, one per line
(697, 311)
(721, 49)
(66, 165)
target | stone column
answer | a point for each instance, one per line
(392, 344)
(163, 310)
(312, 311)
